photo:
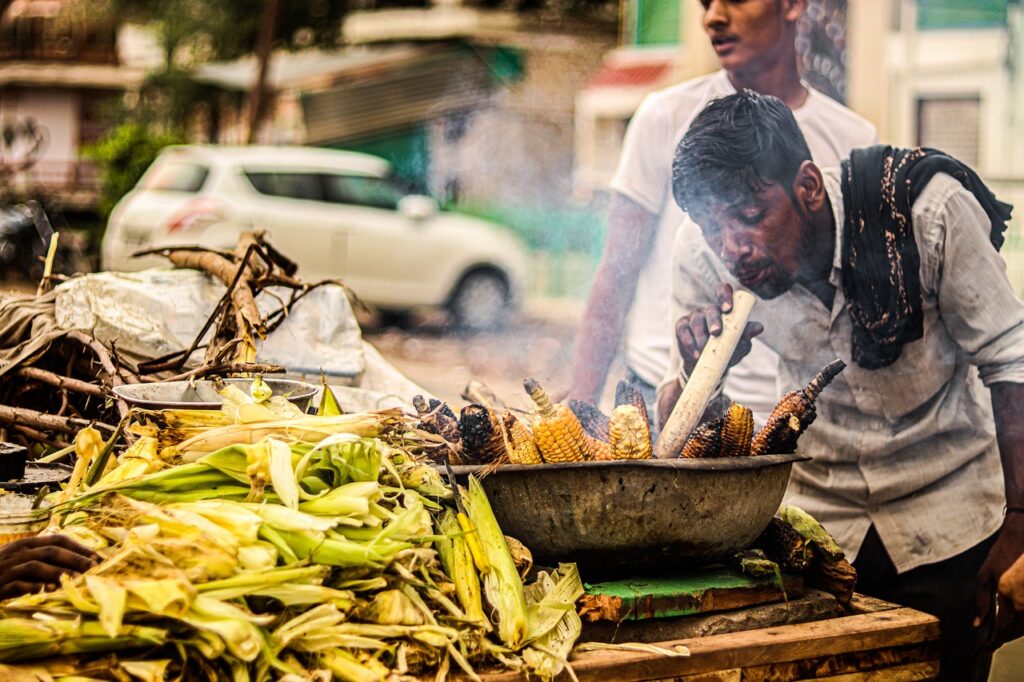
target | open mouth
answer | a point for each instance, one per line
(752, 277)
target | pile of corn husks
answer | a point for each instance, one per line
(259, 543)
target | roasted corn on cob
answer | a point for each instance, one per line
(522, 449)
(630, 433)
(705, 441)
(628, 394)
(737, 431)
(558, 432)
(482, 439)
(437, 418)
(599, 450)
(794, 413)
(594, 421)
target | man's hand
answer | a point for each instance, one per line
(1011, 584)
(694, 330)
(36, 563)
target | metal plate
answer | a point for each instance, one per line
(617, 518)
(202, 394)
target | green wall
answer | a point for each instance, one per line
(937, 14)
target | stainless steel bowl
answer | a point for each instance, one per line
(202, 394)
(623, 517)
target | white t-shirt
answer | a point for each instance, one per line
(644, 174)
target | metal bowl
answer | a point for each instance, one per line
(202, 394)
(622, 517)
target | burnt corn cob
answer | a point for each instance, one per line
(628, 394)
(522, 449)
(557, 431)
(794, 413)
(482, 439)
(437, 418)
(785, 546)
(737, 431)
(594, 421)
(705, 441)
(630, 433)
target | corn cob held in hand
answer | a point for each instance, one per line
(794, 413)
(558, 432)
(482, 439)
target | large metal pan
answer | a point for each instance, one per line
(202, 393)
(624, 517)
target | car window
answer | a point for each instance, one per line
(177, 176)
(362, 190)
(284, 184)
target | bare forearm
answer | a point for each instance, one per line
(1008, 407)
(631, 230)
(601, 332)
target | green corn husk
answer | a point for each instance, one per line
(554, 624)
(812, 531)
(458, 565)
(502, 586)
(23, 639)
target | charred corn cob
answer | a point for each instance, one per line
(558, 432)
(522, 449)
(627, 394)
(630, 433)
(437, 418)
(794, 413)
(785, 546)
(705, 441)
(594, 421)
(737, 431)
(482, 439)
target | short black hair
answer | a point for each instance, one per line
(737, 146)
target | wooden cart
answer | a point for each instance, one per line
(878, 642)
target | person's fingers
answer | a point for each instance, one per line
(752, 329)
(44, 541)
(986, 590)
(38, 572)
(52, 556)
(724, 294)
(685, 338)
(699, 329)
(17, 588)
(713, 320)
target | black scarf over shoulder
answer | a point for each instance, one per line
(880, 261)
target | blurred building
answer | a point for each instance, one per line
(59, 66)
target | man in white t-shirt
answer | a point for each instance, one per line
(755, 43)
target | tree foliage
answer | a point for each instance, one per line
(124, 155)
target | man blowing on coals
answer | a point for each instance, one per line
(889, 263)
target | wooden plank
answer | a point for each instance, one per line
(814, 605)
(912, 672)
(839, 665)
(704, 591)
(861, 632)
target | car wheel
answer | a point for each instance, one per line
(481, 302)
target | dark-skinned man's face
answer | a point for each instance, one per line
(763, 238)
(744, 33)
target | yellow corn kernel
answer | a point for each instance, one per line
(737, 431)
(522, 449)
(599, 450)
(630, 434)
(557, 431)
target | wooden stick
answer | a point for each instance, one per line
(711, 365)
(22, 416)
(40, 437)
(230, 368)
(59, 381)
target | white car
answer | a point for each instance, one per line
(337, 214)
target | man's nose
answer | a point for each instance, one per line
(715, 15)
(735, 247)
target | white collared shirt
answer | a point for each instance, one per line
(911, 447)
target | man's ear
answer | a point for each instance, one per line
(809, 187)
(793, 9)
